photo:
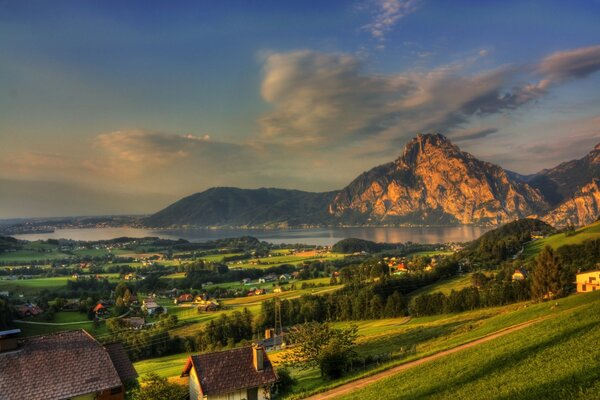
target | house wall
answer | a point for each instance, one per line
(239, 395)
(195, 392)
(588, 281)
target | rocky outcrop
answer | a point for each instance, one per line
(582, 209)
(435, 182)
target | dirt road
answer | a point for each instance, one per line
(360, 383)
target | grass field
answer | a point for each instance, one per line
(445, 286)
(556, 358)
(429, 335)
(30, 286)
(555, 241)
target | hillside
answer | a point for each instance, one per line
(561, 239)
(433, 182)
(503, 242)
(226, 206)
(541, 361)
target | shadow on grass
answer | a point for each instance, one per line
(411, 338)
(504, 361)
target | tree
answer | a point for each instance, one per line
(318, 344)
(548, 280)
(155, 387)
(5, 314)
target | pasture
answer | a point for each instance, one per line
(560, 239)
(554, 358)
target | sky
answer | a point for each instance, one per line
(112, 107)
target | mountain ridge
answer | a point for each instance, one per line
(432, 182)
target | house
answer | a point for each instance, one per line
(151, 306)
(285, 277)
(101, 310)
(256, 292)
(242, 373)
(208, 305)
(66, 365)
(246, 281)
(184, 298)
(278, 289)
(588, 281)
(134, 322)
(28, 310)
(520, 274)
(4, 293)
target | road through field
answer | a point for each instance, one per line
(360, 383)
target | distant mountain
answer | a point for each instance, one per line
(233, 207)
(433, 182)
(560, 183)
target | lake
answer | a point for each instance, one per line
(313, 236)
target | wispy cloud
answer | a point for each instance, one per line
(324, 98)
(387, 14)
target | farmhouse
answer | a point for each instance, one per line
(588, 281)
(150, 306)
(67, 365)
(519, 275)
(242, 373)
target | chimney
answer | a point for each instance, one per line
(8, 340)
(258, 357)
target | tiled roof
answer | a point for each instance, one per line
(121, 362)
(226, 371)
(56, 366)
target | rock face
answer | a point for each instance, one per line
(434, 182)
(582, 209)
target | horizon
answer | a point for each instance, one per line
(122, 109)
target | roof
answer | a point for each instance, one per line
(594, 271)
(98, 307)
(121, 362)
(57, 366)
(9, 332)
(226, 371)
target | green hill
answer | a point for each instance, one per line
(561, 239)
(555, 358)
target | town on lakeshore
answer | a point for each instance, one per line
(285, 200)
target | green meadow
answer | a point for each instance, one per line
(556, 358)
(560, 239)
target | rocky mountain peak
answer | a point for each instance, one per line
(425, 144)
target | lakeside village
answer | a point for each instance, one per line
(239, 318)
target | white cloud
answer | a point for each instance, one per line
(387, 14)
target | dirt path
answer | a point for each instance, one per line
(360, 383)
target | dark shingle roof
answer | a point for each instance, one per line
(121, 362)
(56, 366)
(226, 371)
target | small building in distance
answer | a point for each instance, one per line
(151, 306)
(242, 373)
(519, 275)
(66, 365)
(588, 281)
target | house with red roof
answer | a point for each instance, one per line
(242, 373)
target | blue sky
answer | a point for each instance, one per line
(122, 107)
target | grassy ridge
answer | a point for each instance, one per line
(560, 239)
(555, 358)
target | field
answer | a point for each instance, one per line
(419, 337)
(555, 358)
(446, 286)
(555, 241)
